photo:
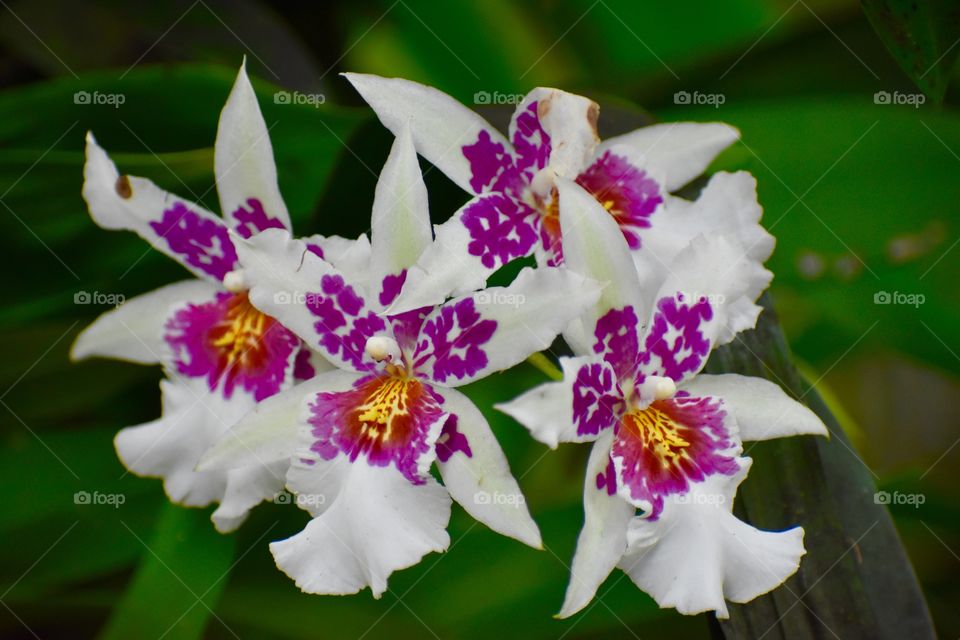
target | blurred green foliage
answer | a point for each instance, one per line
(861, 195)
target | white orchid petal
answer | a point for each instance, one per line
(593, 246)
(134, 330)
(440, 125)
(762, 409)
(697, 554)
(188, 233)
(243, 164)
(479, 477)
(270, 431)
(603, 538)
(679, 150)
(375, 522)
(400, 222)
(497, 328)
(246, 488)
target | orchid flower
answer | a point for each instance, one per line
(361, 440)
(221, 355)
(667, 438)
(515, 209)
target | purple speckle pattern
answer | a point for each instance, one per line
(231, 344)
(626, 192)
(531, 143)
(252, 219)
(452, 441)
(607, 479)
(501, 229)
(202, 243)
(385, 419)
(343, 324)
(302, 367)
(597, 399)
(617, 339)
(676, 345)
(662, 450)
(406, 327)
(488, 161)
(390, 289)
(451, 342)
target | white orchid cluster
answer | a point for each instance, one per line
(330, 368)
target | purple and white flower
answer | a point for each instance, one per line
(515, 211)
(361, 440)
(667, 439)
(221, 355)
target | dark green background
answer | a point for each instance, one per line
(862, 198)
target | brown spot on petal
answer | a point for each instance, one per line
(543, 106)
(593, 114)
(124, 190)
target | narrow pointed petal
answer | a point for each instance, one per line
(476, 474)
(762, 409)
(309, 297)
(603, 538)
(449, 135)
(186, 232)
(495, 329)
(243, 164)
(679, 150)
(375, 522)
(698, 554)
(400, 222)
(593, 246)
(269, 432)
(134, 331)
(575, 409)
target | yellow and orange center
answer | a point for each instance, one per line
(659, 434)
(238, 336)
(384, 414)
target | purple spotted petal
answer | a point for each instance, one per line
(628, 193)
(202, 243)
(676, 345)
(252, 219)
(488, 160)
(406, 329)
(607, 479)
(664, 449)
(531, 144)
(231, 344)
(390, 289)
(343, 324)
(617, 339)
(302, 369)
(501, 229)
(452, 441)
(384, 419)
(451, 342)
(597, 399)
